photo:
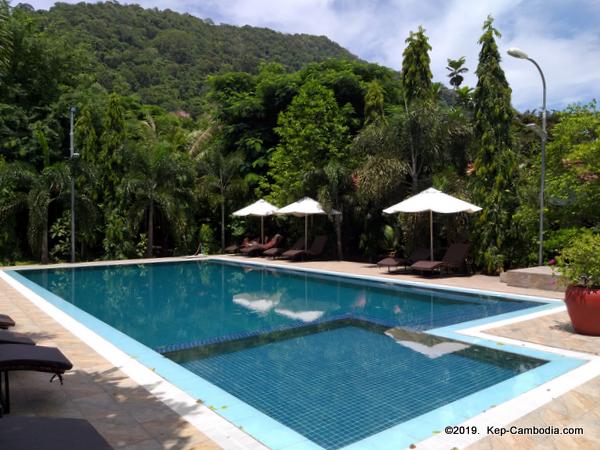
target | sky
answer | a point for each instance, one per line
(561, 35)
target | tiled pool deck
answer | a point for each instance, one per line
(130, 417)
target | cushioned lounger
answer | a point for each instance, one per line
(277, 251)
(392, 261)
(454, 258)
(10, 337)
(29, 357)
(44, 433)
(6, 321)
(315, 250)
(258, 249)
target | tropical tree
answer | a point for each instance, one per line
(220, 177)
(416, 71)
(573, 179)
(374, 101)
(5, 36)
(159, 179)
(456, 69)
(35, 192)
(495, 163)
(312, 131)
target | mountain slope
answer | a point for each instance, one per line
(165, 56)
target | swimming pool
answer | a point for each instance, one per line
(337, 361)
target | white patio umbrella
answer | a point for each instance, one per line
(303, 208)
(432, 200)
(260, 208)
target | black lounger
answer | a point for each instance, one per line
(10, 337)
(6, 321)
(29, 357)
(44, 433)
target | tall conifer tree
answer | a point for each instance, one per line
(416, 73)
(493, 179)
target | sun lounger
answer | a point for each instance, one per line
(455, 258)
(6, 321)
(257, 249)
(45, 433)
(315, 250)
(29, 357)
(392, 261)
(235, 248)
(10, 337)
(278, 251)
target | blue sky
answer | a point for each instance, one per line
(562, 36)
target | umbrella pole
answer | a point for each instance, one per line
(262, 229)
(431, 235)
(305, 232)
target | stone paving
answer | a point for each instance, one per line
(130, 418)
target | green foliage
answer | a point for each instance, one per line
(374, 101)
(60, 232)
(164, 56)
(456, 69)
(495, 163)
(207, 239)
(416, 73)
(5, 36)
(573, 178)
(312, 132)
(271, 116)
(579, 262)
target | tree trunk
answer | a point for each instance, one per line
(338, 235)
(223, 224)
(150, 230)
(45, 242)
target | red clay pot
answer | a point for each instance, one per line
(583, 305)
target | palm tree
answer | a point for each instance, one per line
(220, 177)
(5, 36)
(456, 69)
(158, 180)
(35, 192)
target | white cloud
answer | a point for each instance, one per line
(559, 35)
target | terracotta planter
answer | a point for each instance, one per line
(583, 305)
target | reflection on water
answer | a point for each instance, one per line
(170, 303)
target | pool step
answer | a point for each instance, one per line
(540, 277)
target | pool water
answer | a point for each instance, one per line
(333, 358)
(175, 305)
(339, 386)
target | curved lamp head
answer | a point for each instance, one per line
(517, 53)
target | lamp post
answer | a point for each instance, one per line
(72, 156)
(520, 54)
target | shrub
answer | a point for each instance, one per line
(579, 262)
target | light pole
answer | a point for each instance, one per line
(72, 156)
(517, 53)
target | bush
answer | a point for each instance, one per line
(579, 262)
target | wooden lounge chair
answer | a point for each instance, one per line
(49, 433)
(455, 258)
(392, 261)
(315, 250)
(278, 251)
(235, 248)
(29, 357)
(257, 249)
(6, 321)
(10, 337)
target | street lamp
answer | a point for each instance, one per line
(72, 156)
(520, 54)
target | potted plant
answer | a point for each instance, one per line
(579, 265)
